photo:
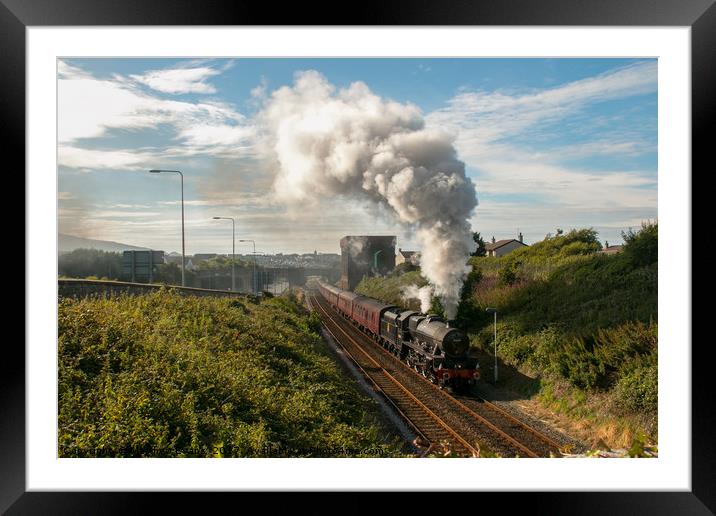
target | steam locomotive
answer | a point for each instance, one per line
(425, 342)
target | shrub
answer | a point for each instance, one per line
(642, 247)
(514, 349)
(615, 347)
(577, 364)
(638, 390)
(404, 267)
(314, 322)
(165, 375)
(509, 273)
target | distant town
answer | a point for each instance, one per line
(254, 272)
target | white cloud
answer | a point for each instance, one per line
(566, 187)
(179, 80)
(88, 107)
(484, 121)
(218, 138)
(77, 157)
(482, 118)
(104, 214)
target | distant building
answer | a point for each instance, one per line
(502, 247)
(365, 256)
(611, 249)
(403, 256)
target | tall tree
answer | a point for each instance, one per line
(481, 249)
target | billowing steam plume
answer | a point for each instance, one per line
(422, 294)
(352, 143)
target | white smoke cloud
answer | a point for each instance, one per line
(352, 143)
(423, 294)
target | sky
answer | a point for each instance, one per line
(548, 143)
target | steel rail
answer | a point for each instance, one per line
(539, 435)
(468, 447)
(370, 378)
(465, 409)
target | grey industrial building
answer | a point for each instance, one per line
(365, 256)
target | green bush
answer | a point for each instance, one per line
(314, 322)
(514, 349)
(389, 289)
(509, 273)
(566, 312)
(577, 364)
(614, 348)
(165, 375)
(404, 267)
(638, 390)
(642, 248)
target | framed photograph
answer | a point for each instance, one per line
(268, 255)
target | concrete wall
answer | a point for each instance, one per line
(78, 288)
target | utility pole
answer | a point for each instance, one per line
(494, 311)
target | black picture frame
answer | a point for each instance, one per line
(700, 15)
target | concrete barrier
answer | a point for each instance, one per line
(78, 288)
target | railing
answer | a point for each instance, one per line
(85, 288)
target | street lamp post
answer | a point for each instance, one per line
(183, 259)
(253, 242)
(233, 249)
(494, 311)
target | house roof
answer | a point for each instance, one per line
(406, 254)
(612, 249)
(496, 245)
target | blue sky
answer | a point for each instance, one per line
(549, 143)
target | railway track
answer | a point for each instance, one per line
(426, 423)
(459, 420)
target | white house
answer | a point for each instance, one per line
(502, 247)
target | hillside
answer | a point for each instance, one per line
(164, 375)
(577, 327)
(68, 243)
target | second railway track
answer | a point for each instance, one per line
(466, 423)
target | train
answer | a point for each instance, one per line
(426, 342)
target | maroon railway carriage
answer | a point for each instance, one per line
(367, 313)
(329, 292)
(425, 342)
(345, 302)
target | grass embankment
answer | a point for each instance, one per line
(165, 375)
(579, 328)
